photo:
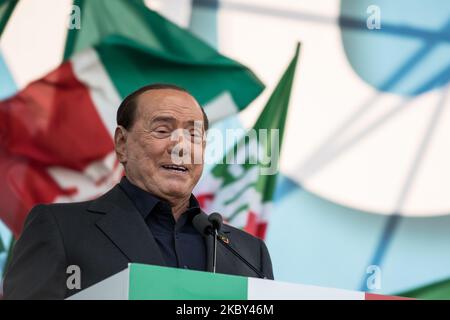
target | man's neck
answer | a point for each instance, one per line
(178, 208)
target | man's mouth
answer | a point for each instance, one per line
(175, 168)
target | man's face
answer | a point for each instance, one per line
(166, 127)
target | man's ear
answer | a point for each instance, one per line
(120, 143)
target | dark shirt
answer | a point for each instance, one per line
(181, 245)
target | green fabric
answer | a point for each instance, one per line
(9, 254)
(6, 9)
(131, 65)
(436, 291)
(10, 250)
(132, 19)
(159, 283)
(72, 35)
(273, 116)
(156, 50)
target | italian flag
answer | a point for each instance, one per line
(147, 282)
(242, 191)
(56, 133)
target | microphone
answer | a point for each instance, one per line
(210, 225)
(206, 227)
(202, 224)
(216, 220)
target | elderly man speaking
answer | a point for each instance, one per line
(146, 218)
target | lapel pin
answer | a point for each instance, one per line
(224, 239)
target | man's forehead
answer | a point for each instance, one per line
(169, 102)
(169, 118)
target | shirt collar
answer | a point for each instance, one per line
(145, 202)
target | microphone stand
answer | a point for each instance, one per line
(216, 237)
(211, 228)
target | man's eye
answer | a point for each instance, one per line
(196, 137)
(162, 130)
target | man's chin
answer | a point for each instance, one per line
(177, 191)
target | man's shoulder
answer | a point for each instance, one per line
(59, 212)
(64, 209)
(240, 235)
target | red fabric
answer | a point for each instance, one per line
(373, 296)
(255, 226)
(52, 122)
(204, 199)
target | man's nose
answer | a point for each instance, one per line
(179, 144)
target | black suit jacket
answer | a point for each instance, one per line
(101, 237)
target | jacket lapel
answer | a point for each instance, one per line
(126, 228)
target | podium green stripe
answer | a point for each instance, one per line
(159, 283)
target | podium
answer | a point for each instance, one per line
(148, 282)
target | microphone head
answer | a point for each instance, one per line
(216, 219)
(202, 224)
